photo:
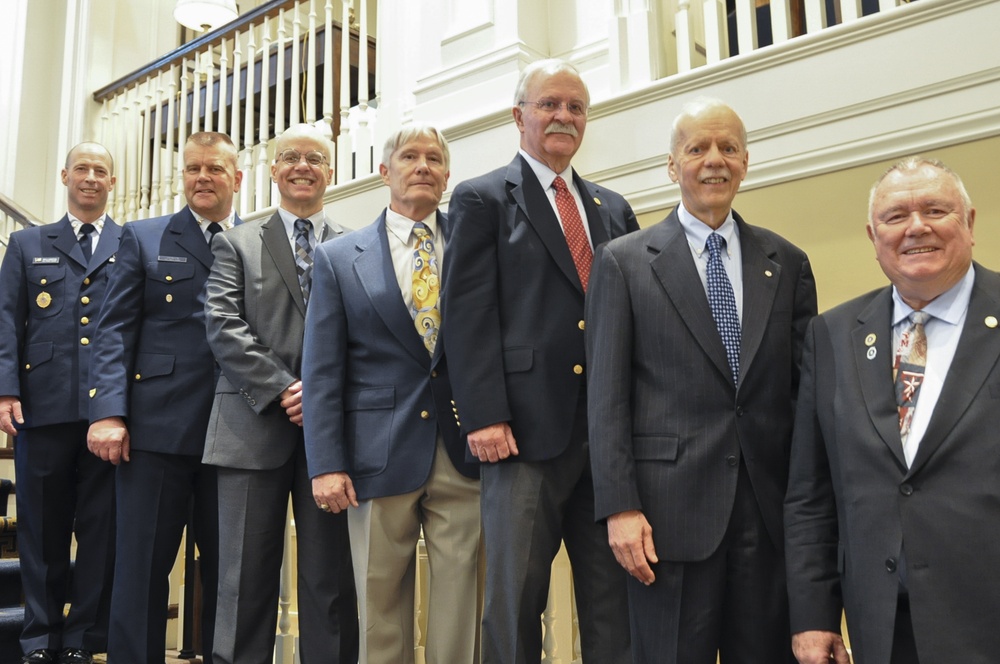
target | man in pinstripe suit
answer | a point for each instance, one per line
(690, 433)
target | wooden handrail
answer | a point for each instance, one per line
(16, 212)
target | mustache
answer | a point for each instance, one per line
(560, 128)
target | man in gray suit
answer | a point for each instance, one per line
(380, 434)
(893, 503)
(255, 309)
(694, 335)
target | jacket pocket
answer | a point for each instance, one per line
(655, 448)
(368, 418)
(46, 290)
(517, 359)
(152, 365)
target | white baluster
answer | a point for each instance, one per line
(234, 126)
(345, 150)
(223, 83)
(886, 5)
(247, 189)
(685, 43)
(363, 141)
(746, 26)
(196, 94)
(310, 111)
(262, 188)
(169, 201)
(133, 136)
(118, 149)
(296, 67)
(279, 97)
(105, 124)
(328, 65)
(157, 151)
(781, 21)
(209, 69)
(716, 31)
(284, 644)
(182, 128)
(145, 147)
(850, 10)
(815, 15)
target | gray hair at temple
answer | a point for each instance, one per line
(308, 131)
(699, 106)
(409, 132)
(208, 139)
(548, 67)
(915, 163)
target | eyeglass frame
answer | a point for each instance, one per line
(280, 157)
(556, 106)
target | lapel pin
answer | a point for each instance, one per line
(872, 352)
(870, 339)
(991, 322)
(93, 391)
(768, 273)
(597, 200)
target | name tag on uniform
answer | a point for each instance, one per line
(172, 259)
(45, 260)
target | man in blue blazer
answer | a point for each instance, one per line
(518, 265)
(255, 305)
(690, 427)
(152, 379)
(381, 438)
(52, 281)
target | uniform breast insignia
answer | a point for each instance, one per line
(43, 300)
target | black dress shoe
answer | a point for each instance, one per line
(40, 656)
(76, 656)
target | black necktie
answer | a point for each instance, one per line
(85, 241)
(213, 228)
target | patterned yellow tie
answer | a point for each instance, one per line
(426, 286)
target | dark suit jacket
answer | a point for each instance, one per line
(256, 320)
(514, 305)
(852, 502)
(151, 363)
(374, 399)
(667, 425)
(49, 300)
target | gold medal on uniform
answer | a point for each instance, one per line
(43, 300)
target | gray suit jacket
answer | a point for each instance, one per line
(667, 425)
(255, 317)
(852, 503)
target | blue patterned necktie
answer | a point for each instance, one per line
(908, 370)
(426, 288)
(303, 256)
(723, 303)
(86, 244)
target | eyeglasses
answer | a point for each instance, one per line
(293, 157)
(577, 108)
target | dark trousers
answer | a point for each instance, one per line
(904, 646)
(155, 496)
(732, 605)
(62, 488)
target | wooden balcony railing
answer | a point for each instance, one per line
(285, 62)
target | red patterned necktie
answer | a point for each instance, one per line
(576, 236)
(908, 370)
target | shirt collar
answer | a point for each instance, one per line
(950, 306)
(288, 219)
(98, 223)
(226, 223)
(696, 231)
(402, 227)
(545, 174)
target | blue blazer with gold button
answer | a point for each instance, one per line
(49, 297)
(151, 363)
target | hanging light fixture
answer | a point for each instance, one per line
(205, 15)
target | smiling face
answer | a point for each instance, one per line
(922, 232)
(552, 137)
(302, 184)
(210, 179)
(709, 161)
(417, 176)
(88, 181)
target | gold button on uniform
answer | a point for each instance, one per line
(84, 300)
(86, 282)
(44, 281)
(84, 321)
(170, 298)
(169, 278)
(138, 376)
(577, 369)
(84, 341)
(582, 325)
(27, 366)
(424, 415)
(434, 374)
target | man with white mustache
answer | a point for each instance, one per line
(695, 329)
(517, 268)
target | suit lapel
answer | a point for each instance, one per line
(598, 217)
(675, 269)
(185, 231)
(530, 197)
(65, 242)
(976, 356)
(107, 245)
(377, 275)
(760, 284)
(874, 368)
(275, 241)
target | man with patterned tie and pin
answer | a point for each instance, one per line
(257, 295)
(52, 282)
(380, 436)
(893, 502)
(694, 335)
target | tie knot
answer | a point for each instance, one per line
(302, 226)
(559, 185)
(919, 317)
(420, 230)
(214, 227)
(86, 230)
(714, 244)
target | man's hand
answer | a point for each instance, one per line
(10, 412)
(631, 539)
(818, 647)
(334, 492)
(291, 401)
(108, 439)
(493, 443)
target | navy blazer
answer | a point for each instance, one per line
(514, 305)
(49, 298)
(151, 362)
(374, 399)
